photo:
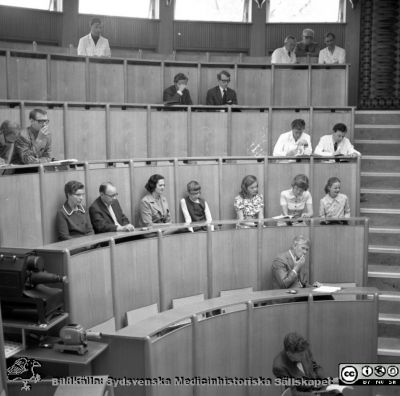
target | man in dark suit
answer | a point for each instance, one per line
(296, 362)
(178, 94)
(105, 212)
(222, 94)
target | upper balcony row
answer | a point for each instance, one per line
(55, 77)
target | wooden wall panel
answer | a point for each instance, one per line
(106, 81)
(230, 182)
(135, 267)
(168, 134)
(89, 276)
(281, 121)
(128, 129)
(280, 177)
(350, 324)
(67, 79)
(290, 86)
(192, 72)
(254, 86)
(209, 134)
(207, 176)
(28, 78)
(9, 112)
(221, 351)
(163, 352)
(141, 175)
(342, 257)
(86, 133)
(144, 83)
(232, 266)
(183, 272)
(328, 89)
(56, 128)
(52, 191)
(249, 135)
(275, 241)
(16, 204)
(211, 36)
(3, 76)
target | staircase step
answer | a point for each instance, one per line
(384, 236)
(381, 180)
(383, 249)
(380, 198)
(389, 318)
(388, 346)
(389, 296)
(367, 131)
(378, 147)
(377, 117)
(379, 163)
(384, 271)
(381, 217)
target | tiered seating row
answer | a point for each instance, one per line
(89, 131)
(243, 343)
(33, 216)
(41, 76)
(125, 274)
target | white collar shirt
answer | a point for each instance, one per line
(87, 46)
(337, 56)
(287, 143)
(281, 55)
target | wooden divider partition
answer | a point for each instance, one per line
(90, 131)
(241, 345)
(33, 218)
(43, 76)
(127, 273)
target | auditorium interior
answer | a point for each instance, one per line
(163, 310)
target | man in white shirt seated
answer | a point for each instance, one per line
(332, 54)
(286, 53)
(336, 144)
(94, 44)
(293, 143)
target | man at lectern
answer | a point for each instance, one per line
(296, 369)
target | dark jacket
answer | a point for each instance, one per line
(283, 367)
(214, 97)
(101, 217)
(282, 275)
(171, 97)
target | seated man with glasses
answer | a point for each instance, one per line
(307, 47)
(106, 213)
(221, 94)
(33, 145)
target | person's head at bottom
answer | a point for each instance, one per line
(295, 345)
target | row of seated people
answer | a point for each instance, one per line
(94, 44)
(106, 215)
(33, 144)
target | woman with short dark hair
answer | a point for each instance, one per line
(154, 206)
(72, 219)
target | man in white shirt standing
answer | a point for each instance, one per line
(94, 44)
(336, 144)
(293, 143)
(286, 53)
(332, 54)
